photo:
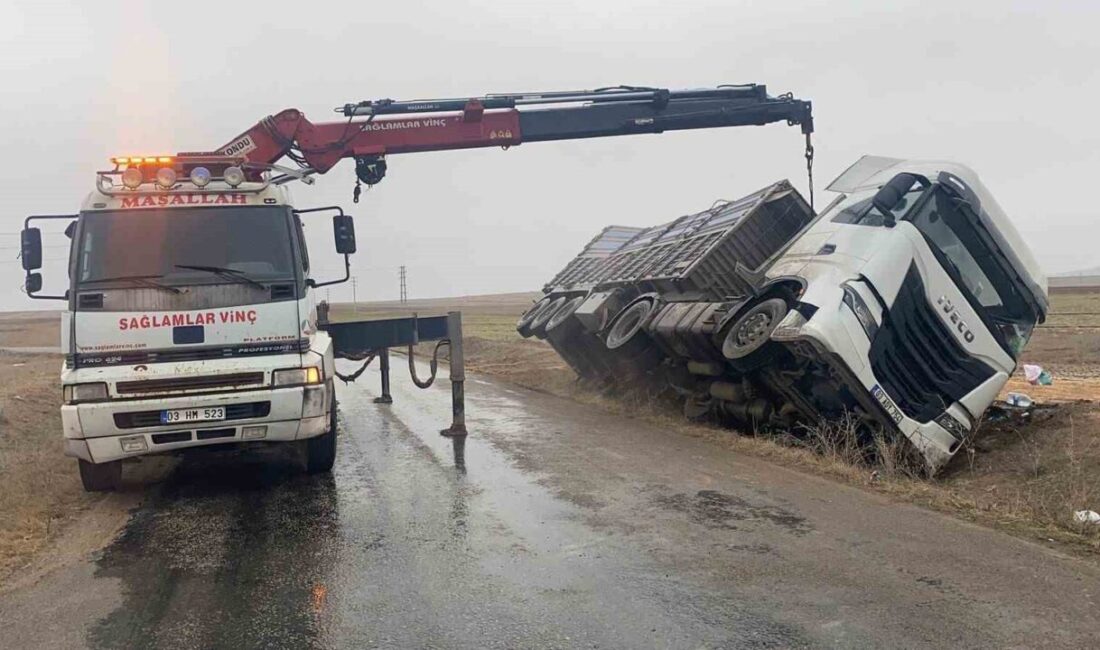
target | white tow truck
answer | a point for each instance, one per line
(191, 318)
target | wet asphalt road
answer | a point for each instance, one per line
(552, 526)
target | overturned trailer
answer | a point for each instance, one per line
(902, 307)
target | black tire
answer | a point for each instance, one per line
(523, 326)
(538, 323)
(746, 341)
(628, 323)
(321, 450)
(100, 477)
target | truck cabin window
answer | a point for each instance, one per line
(253, 243)
(976, 268)
(864, 213)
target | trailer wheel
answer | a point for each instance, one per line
(628, 323)
(523, 326)
(100, 477)
(321, 450)
(745, 344)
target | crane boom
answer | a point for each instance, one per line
(392, 127)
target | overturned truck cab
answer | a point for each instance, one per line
(902, 308)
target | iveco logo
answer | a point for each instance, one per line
(954, 319)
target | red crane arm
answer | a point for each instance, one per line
(504, 120)
(321, 146)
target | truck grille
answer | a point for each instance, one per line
(916, 358)
(136, 357)
(135, 419)
(200, 382)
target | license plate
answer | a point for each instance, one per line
(178, 416)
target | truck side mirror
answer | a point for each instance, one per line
(31, 249)
(343, 229)
(33, 283)
(889, 195)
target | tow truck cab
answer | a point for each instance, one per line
(190, 318)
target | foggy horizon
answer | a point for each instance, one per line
(1008, 88)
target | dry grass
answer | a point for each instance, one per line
(1036, 471)
(40, 490)
(30, 329)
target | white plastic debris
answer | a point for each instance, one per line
(1087, 517)
(1032, 372)
(1036, 376)
(1019, 400)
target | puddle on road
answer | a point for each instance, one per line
(718, 510)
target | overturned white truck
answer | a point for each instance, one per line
(903, 306)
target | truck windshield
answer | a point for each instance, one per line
(971, 259)
(178, 246)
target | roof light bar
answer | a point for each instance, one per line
(139, 160)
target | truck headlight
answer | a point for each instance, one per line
(296, 376)
(859, 308)
(91, 392)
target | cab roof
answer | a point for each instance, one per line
(872, 172)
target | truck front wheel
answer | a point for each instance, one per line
(100, 477)
(321, 450)
(746, 341)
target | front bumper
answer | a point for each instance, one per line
(838, 340)
(93, 430)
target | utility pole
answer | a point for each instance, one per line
(354, 291)
(404, 288)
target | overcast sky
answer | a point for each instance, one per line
(1008, 87)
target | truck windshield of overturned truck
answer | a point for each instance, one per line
(174, 248)
(974, 263)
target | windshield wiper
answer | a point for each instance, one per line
(140, 280)
(229, 274)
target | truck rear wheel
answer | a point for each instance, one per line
(100, 477)
(321, 450)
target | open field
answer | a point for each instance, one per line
(30, 329)
(39, 488)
